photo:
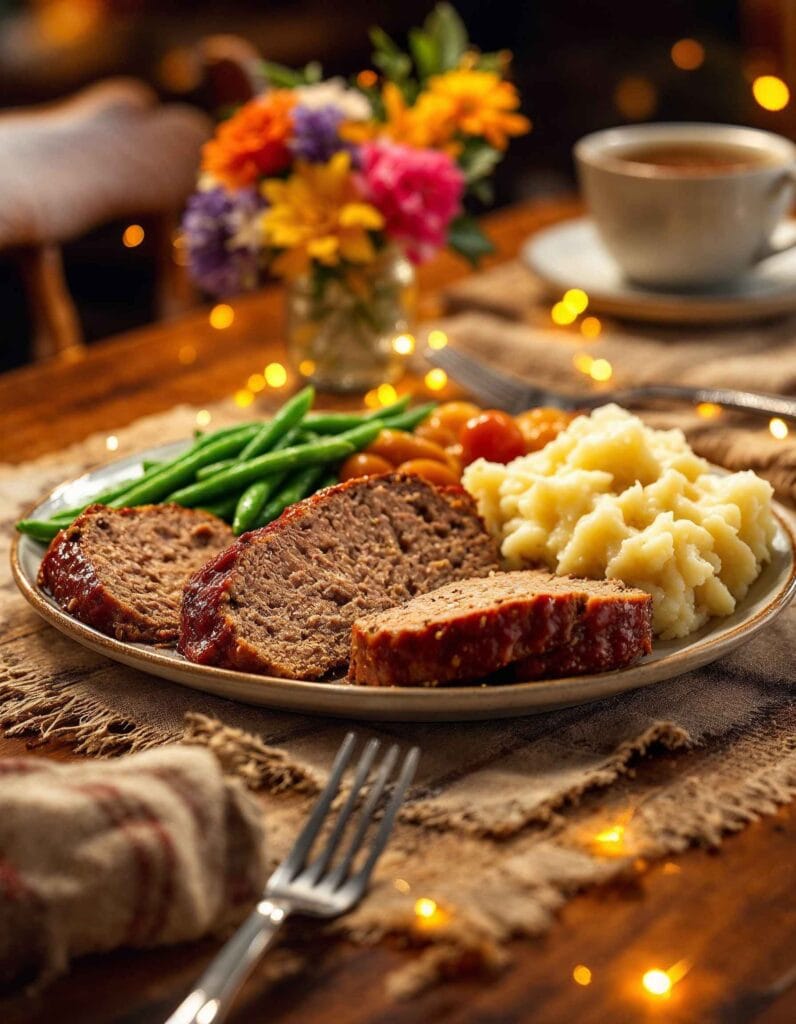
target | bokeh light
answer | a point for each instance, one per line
(576, 299)
(601, 370)
(256, 382)
(112, 442)
(401, 885)
(657, 982)
(778, 428)
(404, 344)
(581, 975)
(275, 375)
(562, 314)
(243, 398)
(708, 410)
(386, 394)
(636, 98)
(307, 367)
(591, 327)
(132, 236)
(437, 339)
(222, 316)
(186, 354)
(425, 907)
(203, 417)
(770, 92)
(436, 379)
(688, 54)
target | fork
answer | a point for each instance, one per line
(503, 391)
(302, 886)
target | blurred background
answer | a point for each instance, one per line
(580, 65)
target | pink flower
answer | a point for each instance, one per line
(417, 191)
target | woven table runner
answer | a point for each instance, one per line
(505, 818)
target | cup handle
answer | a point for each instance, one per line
(768, 249)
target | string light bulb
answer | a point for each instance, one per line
(657, 982)
(425, 907)
(404, 344)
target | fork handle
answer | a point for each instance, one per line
(749, 401)
(212, 998)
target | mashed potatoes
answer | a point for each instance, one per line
(610, 497)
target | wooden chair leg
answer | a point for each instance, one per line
(56, 325)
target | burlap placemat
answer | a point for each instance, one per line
(503, 822)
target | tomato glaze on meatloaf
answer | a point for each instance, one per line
(122, 570)
(541, 625)
(282, 600)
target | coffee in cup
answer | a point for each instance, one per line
(686, 205)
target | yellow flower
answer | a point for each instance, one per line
(428, 124)
(317, 214)
(480, 104)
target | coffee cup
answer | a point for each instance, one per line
(686, 205)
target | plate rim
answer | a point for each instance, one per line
(663, 307)
(410, 702)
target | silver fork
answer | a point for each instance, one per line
(493, 388)
(298, 887)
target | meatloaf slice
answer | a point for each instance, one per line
(543, 625)
(122, 570)
(282, 599)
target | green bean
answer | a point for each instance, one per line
(327, 449)
(361, 436)
(39, 529)
(245, 429)
(147, 464)
(410, 419)
(254, 497)
(298, 486)
(291, 413)
(337, 422)
(224, 509)
(177, 474)
(213, 468)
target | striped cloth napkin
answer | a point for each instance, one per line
(154, 848)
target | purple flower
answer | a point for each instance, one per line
(219, 237)
(315, 133)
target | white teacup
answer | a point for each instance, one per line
(686, 205)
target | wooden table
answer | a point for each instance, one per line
(731, 913)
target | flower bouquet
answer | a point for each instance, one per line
(341, 188)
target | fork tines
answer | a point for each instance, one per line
(319, 873)
(487, 385)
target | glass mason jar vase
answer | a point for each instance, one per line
(342, 322)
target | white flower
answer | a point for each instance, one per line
(335, 92)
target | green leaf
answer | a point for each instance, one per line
(281, 76)
(426, 52)
(466, 238)
(313, 72)
(483, 191)
(478, 159)
(448, 30)
(388, 57)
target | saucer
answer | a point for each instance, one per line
(571, 255)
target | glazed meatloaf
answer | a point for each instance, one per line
(541, 625)
(282, 599)
(123, 570)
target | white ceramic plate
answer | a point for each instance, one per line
(571, 254)
(766, 599)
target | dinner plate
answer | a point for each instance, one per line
(768, 596)
(570, 254)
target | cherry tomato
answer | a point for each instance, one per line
(492, 435)
(434, 472)
(542, 425)
(397, 446)
(453, 415)
(364, 464)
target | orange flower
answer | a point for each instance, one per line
(480, 104)
(253, 142)
(428, 124)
